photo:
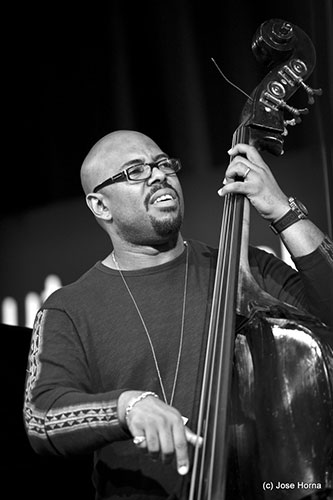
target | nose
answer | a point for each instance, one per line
(156, 175)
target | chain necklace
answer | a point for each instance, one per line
(147, 332)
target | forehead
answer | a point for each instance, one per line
(136, 148)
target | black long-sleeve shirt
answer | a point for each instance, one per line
(88, 346)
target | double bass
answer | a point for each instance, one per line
(266, 401)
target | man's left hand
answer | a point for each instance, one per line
(257, 182)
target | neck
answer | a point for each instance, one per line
(132, 257)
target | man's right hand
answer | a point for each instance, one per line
(162, 427)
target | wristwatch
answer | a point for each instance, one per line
(297, 212)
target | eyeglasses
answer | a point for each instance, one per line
(142, 171)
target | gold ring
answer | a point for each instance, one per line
(139, 439)
(246, 173)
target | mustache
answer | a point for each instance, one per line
(157, 187)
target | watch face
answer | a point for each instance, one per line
(298, 206)
(302, 207)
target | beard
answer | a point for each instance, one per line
(156, 231)
(167, 227)
(161, 230)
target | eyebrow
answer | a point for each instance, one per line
(158, 157)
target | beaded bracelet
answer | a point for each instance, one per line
(134, 401)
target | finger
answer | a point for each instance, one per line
(239, 170)
(193, 438)
(140, 441)
(153, 443)
(249, 151)
(180, 445)
(167, 442)
(139, 435)
(167, 445)
(142, 446)
(233, 187)
(167, 458)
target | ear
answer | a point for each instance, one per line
(98, 205)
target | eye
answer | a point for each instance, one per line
(137, 170)
(164, 163)
(169, 166)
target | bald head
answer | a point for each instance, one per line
(103, 159)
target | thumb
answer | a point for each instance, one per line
(192, 438)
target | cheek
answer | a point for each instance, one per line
(127, 207)
(179, 190)
(130, 220)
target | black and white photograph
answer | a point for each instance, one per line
(166, 227)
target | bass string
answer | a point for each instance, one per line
(223, 263)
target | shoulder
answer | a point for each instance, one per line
(76, 292)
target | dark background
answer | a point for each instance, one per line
(73, 73)
(79, 72)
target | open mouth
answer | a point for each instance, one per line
(163, 196)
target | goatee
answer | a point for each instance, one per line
(168, 226)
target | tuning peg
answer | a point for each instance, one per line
(311, 92)
(286, 123)
(293, 111)
(268, 99)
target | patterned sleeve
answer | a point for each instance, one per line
(62, 415)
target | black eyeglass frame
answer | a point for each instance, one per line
(126, 174)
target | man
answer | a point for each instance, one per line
(116, 357)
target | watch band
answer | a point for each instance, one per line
(286, 220)
(295, 214)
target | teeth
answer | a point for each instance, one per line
(164, 197)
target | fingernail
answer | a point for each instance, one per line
(182, 470)
(219, 192)
(229, 151)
